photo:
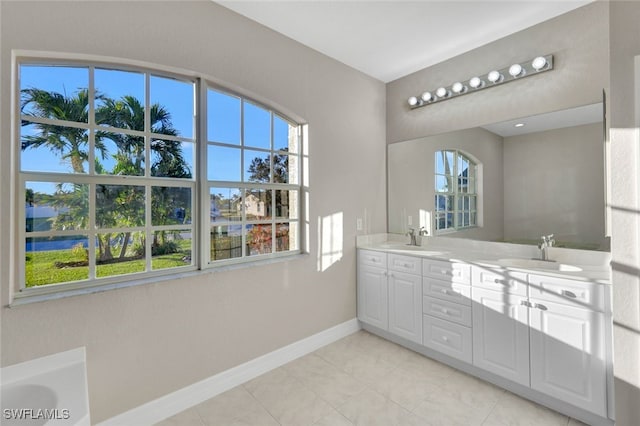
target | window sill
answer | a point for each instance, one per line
(29, 296)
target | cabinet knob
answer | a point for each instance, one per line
(445, 338)
(445, 311)
(500, 281)
(407, 265)
(541, 307)
(525, 303)
(568, 293)
(444, 291)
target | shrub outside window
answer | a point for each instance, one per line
(456, 196)
(110, 174)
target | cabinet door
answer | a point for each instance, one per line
(501, 334)
(373, 296)
(405, 305)
(567, 354)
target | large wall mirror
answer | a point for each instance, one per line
(533, 176)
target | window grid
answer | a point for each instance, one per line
(147, 184)
(245, 188)
(456, 191)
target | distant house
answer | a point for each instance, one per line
(254, 207)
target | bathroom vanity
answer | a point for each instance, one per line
(541, 329)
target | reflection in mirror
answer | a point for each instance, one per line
(535, 176)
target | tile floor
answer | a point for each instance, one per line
(365, 380)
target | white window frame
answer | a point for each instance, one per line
(456, 194)
(198, 183)
(245, 184)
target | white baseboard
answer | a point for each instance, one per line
(166, 406)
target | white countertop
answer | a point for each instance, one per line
(568, 263)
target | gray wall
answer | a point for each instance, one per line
(146, 341)
(578, 41)
(624, 120)
(410, 180)
(553, 184)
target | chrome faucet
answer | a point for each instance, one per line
(547, 241)
(414, 236)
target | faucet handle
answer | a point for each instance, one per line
(412, 231)
(423, 231)
(547, 238)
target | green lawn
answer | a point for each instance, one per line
(41, 269)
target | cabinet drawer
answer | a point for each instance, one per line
(447, 310)
(446, 337)
(582, 294)
(446, 290)
(372, 258)
(455, 272)
(411, 265)
(501, 280)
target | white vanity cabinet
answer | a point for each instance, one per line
(405, 293)
(545, 336)
(500, 323)
(372, 289)
(550, 338)
(390, 293)
(447, 308)
(567, 329)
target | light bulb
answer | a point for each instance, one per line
(515, 70)
(413, 101)
(426, 96)
(458, 87)
(442, 92)
(518, 125)
(494, 76)
(475, 82)
(539, 63)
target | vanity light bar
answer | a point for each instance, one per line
(493, 78)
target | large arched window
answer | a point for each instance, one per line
(456, 198)
(127, 172)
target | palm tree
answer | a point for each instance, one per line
(72, 144)
(129, 113)
(69, 143)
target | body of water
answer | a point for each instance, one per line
(49, 245)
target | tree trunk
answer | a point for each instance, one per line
(76, 162)
(125, 244)
(107, 255)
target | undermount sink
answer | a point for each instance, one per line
(549, 265)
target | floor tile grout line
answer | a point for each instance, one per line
(495, 404)
(260, 403)
(363, 345)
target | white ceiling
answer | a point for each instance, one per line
(390, 39)
(571, 117)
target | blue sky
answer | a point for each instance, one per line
(178, 97)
